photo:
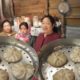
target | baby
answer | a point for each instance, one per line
(23, 33)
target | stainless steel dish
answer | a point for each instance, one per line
(28, 55)
(46, 70)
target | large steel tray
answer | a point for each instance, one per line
(28, 55)
(46, 70)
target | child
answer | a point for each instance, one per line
(23, 34)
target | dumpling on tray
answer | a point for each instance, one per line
(22, 71)
(75, 54)
(18, 70)
(29, 70)
(12, 54)
(77, 69)
(57, 59)
(3, 75)
(64, 74)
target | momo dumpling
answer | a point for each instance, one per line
(22, 71)
(57, 59)
(12, 55)
(18, 70)
(30, 70)
(3, 75)
(77, 69)
(64, 74)
(75, 54)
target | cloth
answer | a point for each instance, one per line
(34, 78)
(7, 34)
(41, 40)
(22, 37)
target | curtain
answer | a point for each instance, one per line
(1, 12)
(6, 9)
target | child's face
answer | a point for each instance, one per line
(23, 29)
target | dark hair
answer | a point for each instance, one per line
(25, 24)
(5, 22)
(53, 22)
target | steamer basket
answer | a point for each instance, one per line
(65, 45)
(28, 55)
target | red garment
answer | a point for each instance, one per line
(34, 78)
(41, 40)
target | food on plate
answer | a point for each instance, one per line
(12, 55)
(57, 59)
(3, 75)
(75, 54)
(21, 71)
(64, 74)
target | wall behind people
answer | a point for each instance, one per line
(39, 7)
(6, 10)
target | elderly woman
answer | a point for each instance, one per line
(7, 29)
(50, 33)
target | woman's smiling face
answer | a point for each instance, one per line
(47, 26)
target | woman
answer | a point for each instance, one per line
(50, 33)
(7, 29)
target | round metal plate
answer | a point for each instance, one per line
(65, 45)
(28, 55)
(63, 7)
